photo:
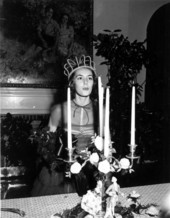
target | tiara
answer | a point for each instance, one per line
(83, 62)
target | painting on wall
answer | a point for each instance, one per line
(37, 37)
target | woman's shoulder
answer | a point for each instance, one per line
(71, 29)
(56, 116)
(58, 107)
(54, 22)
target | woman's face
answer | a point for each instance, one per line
(65, 19)
(83, 82)
(49, 13)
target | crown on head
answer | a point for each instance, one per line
(83, 62)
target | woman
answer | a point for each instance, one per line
(82, 79)
(66, 37)
(45, 45)
(48, 30)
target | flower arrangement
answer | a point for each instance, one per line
(47, 150)
(101, 199)
(96, 157)
(90, 206)
(51, 147)
(104, 184)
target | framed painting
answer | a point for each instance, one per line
(37, 37)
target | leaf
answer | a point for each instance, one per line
(117, 30)
(107, 31)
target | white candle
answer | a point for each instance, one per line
(101, 112)
(106, 126)
(132, 139)
(100, 97)
(69, 134)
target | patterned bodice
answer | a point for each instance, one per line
(84, 122)
(82, 119)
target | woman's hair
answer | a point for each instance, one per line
(69, 19)
(94, 92)
(47, 8)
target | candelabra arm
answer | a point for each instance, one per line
(70, 157)
(132, 155)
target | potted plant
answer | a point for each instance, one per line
(125, 60)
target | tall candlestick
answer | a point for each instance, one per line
(69, 134)
(101, 112)
(100, 93)
(107, 129)
(132, 139)
(132, 144)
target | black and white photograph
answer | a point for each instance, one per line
(85, 108)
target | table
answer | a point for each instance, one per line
(11, 177)
(45, 206)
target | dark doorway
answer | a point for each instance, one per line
(158, 77)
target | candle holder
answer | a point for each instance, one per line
(70, 157)
(132, 154)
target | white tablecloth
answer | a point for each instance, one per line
(44, 207)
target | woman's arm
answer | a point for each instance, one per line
(55, 118)
(39, 33)
(71, 38)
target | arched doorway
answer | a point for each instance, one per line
(158, 76)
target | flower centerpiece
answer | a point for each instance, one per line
(97, 200)
(103, 200)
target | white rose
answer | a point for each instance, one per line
(98, 188)
(124, 163)
(134, 194)
(94, 158)
(104, 166)
(99, 143)
(153, 211)
(75, 168)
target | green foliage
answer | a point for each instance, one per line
(125, 60)
(15, 143)
(50, 147)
